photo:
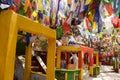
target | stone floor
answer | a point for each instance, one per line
(106, 73)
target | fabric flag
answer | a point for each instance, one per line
(51, 8)
(34, 14)
(101, 36)
(10, 2)
(4, 6)
(119, 23)
(99, 25)
(94, 25)
(116, 5)
(66, 28)
(17, 3)
(101, 14)
(88, 2)
(74, 5)
(56, 21)
(30, 14)
(69, 18)
(88, 24)
(34, 5)
(78, 10)
(91, 15)
(107, 1)
(103, 11)
(82, 6)
(93, 5)
(13, 8)
(55, 6)
(115, 21)
(67, 23)
(109, 8)
(97, 15)
(27, 4)
(69, 1)
(40, 6)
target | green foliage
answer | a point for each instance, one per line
(59, 32)
(20, 46)
(44, 45)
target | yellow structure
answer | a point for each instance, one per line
(97, 58)
(80, 52)
(10, 24)
(67, 48)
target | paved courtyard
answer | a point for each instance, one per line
(106, 73)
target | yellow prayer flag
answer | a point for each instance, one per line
(94, 25)
(69, 1)
(101, 36)
(80, 0)
(34, 14)
(27, 4)
(88, 2)
(40, 6)
(91, 15)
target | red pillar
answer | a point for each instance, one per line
(80, 61)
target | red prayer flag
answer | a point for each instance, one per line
(109, 8)
(115, 21)
(66, 28)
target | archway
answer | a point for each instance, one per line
(81, 52)
(89, 51)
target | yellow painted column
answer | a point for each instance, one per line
(66, 78)
(58, 59)
(51, 59)
(91, 70)
(8, 37)
(81, 74)
(97, 59)
(28, 56)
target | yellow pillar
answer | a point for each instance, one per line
(81, 74)
(91, 70)
(8, 37)
(66, 78)
(28, 56)
(51, 59)
(97, 59)
(58, 58)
